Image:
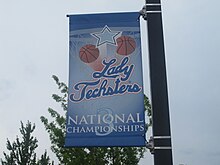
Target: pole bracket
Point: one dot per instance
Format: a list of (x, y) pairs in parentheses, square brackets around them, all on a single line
[(151, 144), (143, 12), (150, 8)]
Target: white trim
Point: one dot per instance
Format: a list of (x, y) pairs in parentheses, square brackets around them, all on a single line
[(153, 11), (162, 137), (162, 148), (153, 4)]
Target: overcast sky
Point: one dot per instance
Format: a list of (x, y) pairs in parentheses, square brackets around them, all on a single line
[(34, 46)]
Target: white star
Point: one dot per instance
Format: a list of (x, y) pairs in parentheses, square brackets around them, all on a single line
[(106, 36)]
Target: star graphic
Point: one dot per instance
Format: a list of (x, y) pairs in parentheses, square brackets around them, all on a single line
[(106, 36)]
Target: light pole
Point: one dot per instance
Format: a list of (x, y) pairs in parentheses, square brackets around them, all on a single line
[(159, 95)]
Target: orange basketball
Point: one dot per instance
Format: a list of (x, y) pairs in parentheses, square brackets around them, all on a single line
[(88, 53), (126, 45)]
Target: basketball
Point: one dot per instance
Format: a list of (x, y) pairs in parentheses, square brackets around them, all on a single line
[(126, 45), (88, 53)]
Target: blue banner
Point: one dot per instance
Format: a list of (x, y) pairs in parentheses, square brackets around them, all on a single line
[(106, 101)]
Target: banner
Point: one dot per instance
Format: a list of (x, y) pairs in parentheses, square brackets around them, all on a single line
[(106, 101)]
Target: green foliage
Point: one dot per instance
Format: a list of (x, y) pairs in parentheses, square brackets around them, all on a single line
[(45, 160), (91, 155), (22, 151), (148, 110)]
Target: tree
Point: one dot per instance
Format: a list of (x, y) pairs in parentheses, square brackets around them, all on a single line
[(22, 152), (90, 155), (45, 160)]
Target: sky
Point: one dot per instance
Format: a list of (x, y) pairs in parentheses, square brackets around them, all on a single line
[(34, 46)]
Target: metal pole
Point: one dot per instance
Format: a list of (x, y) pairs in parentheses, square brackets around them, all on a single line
[(159, 94)]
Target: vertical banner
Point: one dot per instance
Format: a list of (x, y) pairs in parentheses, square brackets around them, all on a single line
[(106, 101)]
